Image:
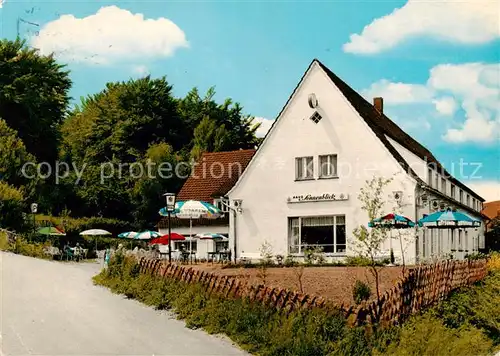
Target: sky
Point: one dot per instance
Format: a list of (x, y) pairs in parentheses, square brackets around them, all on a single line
[(435, 63)]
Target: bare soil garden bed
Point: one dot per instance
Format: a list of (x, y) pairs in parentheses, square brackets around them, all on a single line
[(333, 283)]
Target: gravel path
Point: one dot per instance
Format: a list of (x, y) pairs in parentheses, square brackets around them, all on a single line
[(52, 308)]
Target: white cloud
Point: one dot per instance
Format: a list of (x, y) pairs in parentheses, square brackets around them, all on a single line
[(1, 3), (140, 70), (475, 87), (398, 93), (489, 190), (446, 105), (265, 125), (110, 35), (467, 22)]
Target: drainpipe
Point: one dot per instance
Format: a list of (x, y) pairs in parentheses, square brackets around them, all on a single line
[(417, 195), (234, 233)]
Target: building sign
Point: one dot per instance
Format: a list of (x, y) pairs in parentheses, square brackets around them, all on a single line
[(305, 198)]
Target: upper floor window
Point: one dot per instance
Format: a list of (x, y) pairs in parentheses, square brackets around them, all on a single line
[(304, 168), (316, 117), (460, 196), (452, 192), (328, 166), (436, 180), (429, 177), (443, 185), (468, 200)]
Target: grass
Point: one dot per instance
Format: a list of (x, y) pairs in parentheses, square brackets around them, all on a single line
[(264, 331)]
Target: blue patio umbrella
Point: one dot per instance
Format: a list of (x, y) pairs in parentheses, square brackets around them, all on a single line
[(449, 219)]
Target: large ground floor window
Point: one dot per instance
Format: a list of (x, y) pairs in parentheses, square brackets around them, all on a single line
[(326, 232)]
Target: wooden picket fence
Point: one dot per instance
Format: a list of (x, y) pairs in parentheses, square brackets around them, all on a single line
[(231, 287), (420, 288)]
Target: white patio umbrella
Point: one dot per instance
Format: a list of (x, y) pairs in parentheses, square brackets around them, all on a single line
[(146, 235), (193, 209), (95, 232)]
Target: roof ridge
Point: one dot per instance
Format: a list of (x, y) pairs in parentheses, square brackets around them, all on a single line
[(367, 112)]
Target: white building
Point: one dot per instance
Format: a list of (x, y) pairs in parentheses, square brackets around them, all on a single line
[(302, 184)]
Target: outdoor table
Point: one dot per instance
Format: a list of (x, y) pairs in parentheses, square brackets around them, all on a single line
[(212, 256), (225, 256)]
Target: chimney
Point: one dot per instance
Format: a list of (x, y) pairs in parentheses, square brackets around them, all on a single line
[(378, 103)]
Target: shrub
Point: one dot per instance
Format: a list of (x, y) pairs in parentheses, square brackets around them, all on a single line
[(12, 207), (360, 292), (314, 255), (22, 247), (358, 261), (428, 336), (474, 306)]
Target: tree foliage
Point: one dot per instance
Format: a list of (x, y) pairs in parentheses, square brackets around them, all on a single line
[(33, 97), (128, 125), (13, 156)]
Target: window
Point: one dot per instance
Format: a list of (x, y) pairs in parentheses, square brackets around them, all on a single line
[(452, 193), (304, 168), (325, 232), (436, 180), (474, 204), (460, 196), (316, 117), (468, 200), (443, 185), (328, 166), (222, 205), (459, 240), (429, 177)]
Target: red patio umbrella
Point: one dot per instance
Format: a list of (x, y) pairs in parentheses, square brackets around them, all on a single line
[(163, 240)]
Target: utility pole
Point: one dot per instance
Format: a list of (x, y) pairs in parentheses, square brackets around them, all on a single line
[(19, 20)]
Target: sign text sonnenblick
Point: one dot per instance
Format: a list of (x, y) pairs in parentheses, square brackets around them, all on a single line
[(304, 198)]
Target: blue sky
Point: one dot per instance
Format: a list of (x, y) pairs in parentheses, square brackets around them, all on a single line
[(436, 64)]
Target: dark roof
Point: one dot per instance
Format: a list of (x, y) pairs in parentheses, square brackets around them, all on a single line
[(222, 221), (215, 174), (381, 125)]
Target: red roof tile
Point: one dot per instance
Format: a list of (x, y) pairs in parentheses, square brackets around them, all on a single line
[(215, 174), (491, 209)]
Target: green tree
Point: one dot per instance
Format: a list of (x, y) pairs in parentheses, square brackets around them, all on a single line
[(216, 127), (368, 242), (122, 121), (33, 97), (13, 156), (164, 174)]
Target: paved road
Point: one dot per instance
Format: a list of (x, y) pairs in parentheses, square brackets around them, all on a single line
[(51, 308)]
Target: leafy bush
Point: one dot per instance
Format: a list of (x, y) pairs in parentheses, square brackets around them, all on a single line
[(4, 241), (360, 261), (474, 306), (475, 256), (314, 255), (360, 292), (12, 207), (23, 247), (428, 336)]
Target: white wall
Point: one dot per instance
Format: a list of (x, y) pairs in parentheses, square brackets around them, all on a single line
[(269, 179)]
